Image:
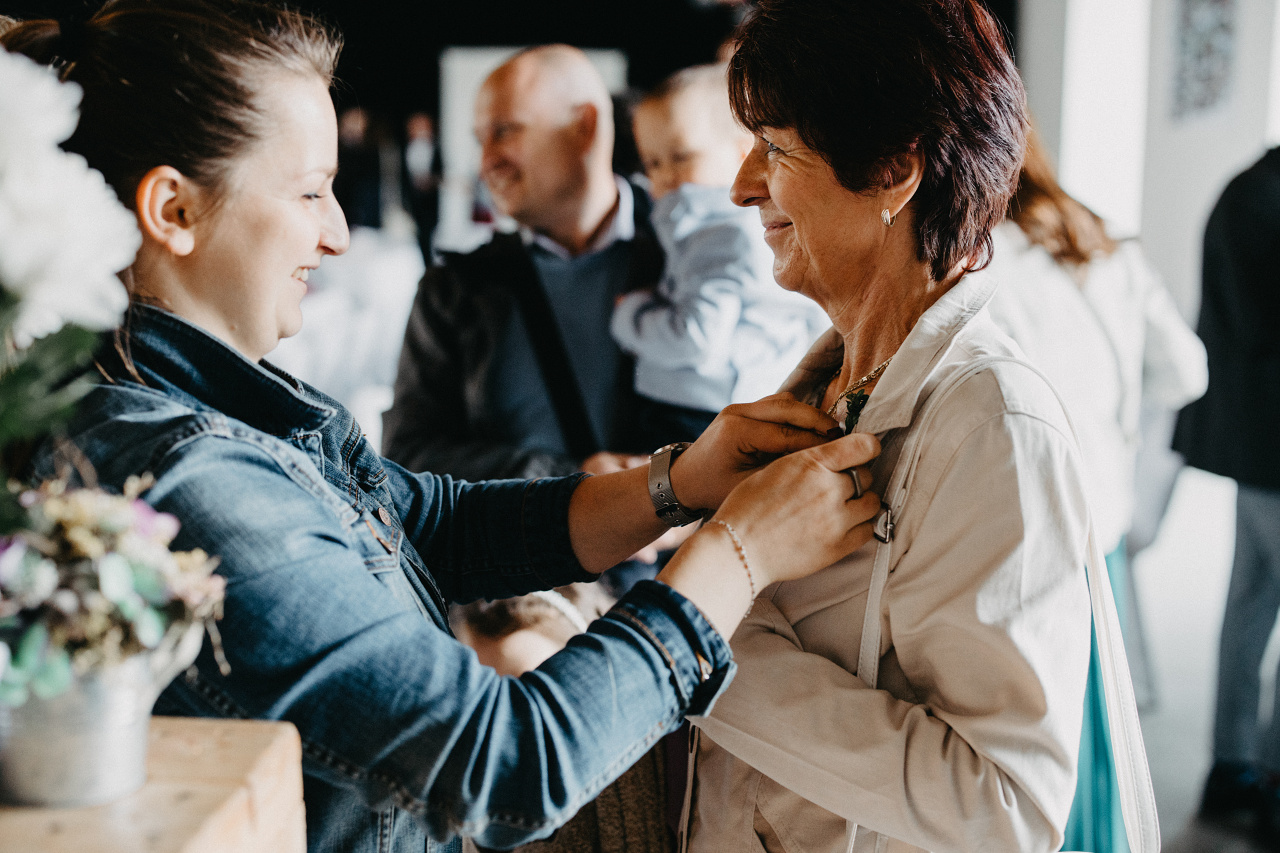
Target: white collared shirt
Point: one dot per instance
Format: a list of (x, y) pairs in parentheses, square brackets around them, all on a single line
[(970, 740), (621, 227)]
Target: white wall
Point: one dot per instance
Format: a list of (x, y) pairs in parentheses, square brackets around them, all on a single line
[(1190, 159), (1085, 64), (1100, 79), (1042, 28), (462, 71)]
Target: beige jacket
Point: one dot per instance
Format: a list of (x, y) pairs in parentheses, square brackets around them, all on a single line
[(970, 741)]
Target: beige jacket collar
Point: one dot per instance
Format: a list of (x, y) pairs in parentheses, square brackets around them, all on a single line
[(904, 381)]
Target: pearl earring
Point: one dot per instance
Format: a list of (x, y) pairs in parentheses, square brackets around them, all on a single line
[(887, 218)]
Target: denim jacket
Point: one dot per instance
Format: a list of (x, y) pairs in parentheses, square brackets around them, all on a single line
[(339, 567)]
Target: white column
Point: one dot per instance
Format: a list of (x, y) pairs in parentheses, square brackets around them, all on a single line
[(1085, 64)]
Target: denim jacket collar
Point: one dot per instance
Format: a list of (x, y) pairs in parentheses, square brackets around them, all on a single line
[(183, 359)]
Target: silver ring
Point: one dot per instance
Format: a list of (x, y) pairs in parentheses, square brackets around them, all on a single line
[(857, 484)]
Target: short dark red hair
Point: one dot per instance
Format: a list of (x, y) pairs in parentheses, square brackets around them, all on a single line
[(864, 81)]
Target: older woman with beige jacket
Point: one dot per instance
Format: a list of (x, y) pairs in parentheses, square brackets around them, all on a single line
[(889, 138)]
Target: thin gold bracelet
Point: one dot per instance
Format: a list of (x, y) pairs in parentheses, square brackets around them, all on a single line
[(742, 555)]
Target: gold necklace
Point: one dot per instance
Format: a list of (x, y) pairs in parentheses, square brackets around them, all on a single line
[(857, 399)]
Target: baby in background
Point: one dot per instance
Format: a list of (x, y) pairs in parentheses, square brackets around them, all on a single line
[(717, 329)]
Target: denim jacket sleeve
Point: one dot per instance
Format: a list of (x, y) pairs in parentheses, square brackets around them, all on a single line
[(387, 703), (493, 539)]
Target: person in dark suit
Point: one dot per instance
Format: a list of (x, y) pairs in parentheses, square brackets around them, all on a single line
[(1234, 430), (508, 368)]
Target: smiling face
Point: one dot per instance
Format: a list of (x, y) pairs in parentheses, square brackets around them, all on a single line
[(683, 140), (826, 239), (532, 147), (247, 273)]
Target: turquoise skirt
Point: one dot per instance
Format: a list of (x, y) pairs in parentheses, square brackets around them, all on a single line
[(1096, 823)]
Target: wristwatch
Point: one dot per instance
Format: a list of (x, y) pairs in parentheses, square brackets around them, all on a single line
[(665, 503)]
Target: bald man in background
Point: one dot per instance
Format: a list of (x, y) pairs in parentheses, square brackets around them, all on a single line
[(508, 368)]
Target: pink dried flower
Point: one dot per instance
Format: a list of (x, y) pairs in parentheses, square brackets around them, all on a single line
[(158, 526)]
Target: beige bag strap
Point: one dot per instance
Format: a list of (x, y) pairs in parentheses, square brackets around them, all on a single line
[(686, 810), (1137, 797)]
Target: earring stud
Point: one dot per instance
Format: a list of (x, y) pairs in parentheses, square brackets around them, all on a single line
[(887, 218)]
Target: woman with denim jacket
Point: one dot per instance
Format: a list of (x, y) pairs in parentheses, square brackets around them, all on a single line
[(212, 120)]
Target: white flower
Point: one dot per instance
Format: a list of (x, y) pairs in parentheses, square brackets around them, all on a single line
[(36, 110), (63, 233), (38, 581), (12, 554)]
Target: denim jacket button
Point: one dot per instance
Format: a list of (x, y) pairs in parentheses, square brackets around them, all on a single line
[(384, 516)]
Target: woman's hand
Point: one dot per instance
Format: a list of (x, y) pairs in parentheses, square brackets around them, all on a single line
[(740, 440), (611, 516), (798, 515), (791, 519)]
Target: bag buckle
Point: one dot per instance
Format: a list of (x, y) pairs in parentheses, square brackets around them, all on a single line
[(884, 526)]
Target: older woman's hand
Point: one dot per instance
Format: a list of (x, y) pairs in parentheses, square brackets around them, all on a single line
[(786, 521), (800, 514), (742, 439)]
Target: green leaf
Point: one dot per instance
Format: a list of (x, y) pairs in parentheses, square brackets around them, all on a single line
[(13, 695), (33, 408), (149, 584), (39, 385), (10, 304), (57, 354), (13, 517), (53, 676), (115, 580), (149, 626), (130, 607), (31, 648)]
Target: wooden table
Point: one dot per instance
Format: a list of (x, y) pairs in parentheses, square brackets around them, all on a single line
[(212, 785)]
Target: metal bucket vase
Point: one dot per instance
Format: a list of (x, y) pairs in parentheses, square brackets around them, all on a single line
[(88, 746)]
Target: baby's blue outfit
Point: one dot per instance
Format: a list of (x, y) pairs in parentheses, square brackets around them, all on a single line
[(718, 329)]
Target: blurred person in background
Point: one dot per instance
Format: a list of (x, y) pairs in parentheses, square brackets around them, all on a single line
[(508, 368), (422, 171), (1093, 315), (717, 329), (514, 636), (358, 184), (1234, 431)]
